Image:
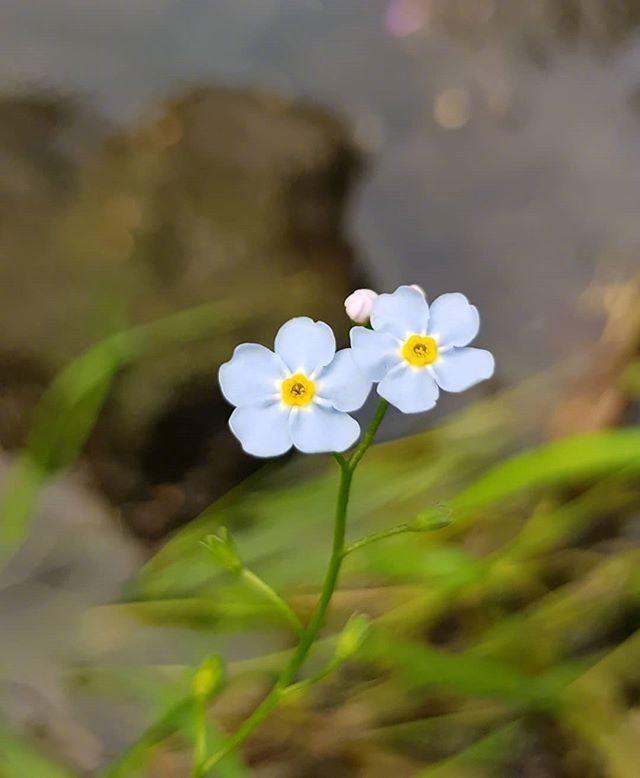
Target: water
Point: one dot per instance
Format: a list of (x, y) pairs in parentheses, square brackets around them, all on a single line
[(503, 154)]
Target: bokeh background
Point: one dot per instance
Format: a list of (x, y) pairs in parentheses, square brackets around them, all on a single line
[(178, 176)]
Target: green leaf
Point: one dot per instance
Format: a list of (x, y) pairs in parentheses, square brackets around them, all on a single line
[(67, 411), (561, 462), (485, 757), (423, 666)]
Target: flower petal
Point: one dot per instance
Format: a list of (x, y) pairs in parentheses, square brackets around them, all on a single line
[(453, 320), (410, 390), (342, 383), (263, 430), (405, 312), (250, 375), (375, 353), (304, 344), (317, 429), (460, 368)]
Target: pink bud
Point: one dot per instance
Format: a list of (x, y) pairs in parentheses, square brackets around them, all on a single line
[(359, 305)]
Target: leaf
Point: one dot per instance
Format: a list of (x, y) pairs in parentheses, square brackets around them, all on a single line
[(176, 718), (423, 666), (488, 753), (561, 462), (67, 411)]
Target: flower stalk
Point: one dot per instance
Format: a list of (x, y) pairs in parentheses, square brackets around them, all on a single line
[(288, 675)]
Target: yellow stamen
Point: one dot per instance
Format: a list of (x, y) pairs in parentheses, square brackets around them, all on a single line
[(420, 350), (298, 390)]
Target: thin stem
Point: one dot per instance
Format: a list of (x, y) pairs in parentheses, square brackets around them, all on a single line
[(399, 529), (369, 435), (288, 675), (200, 747), (263, 588)]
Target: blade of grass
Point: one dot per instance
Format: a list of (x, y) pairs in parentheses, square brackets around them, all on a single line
[(67, 411)]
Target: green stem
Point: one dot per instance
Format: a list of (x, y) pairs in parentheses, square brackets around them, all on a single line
[(263, 588), (369, 435), (200, 747), (288, 675), (399, 529)]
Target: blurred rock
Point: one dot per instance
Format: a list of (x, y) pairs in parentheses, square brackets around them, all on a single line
[(224, 195), (75, 557)]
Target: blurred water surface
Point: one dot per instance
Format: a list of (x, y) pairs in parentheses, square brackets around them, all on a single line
[(503, 137)]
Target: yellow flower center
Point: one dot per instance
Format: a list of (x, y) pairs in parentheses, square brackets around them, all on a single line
[(298, 390), (420, 350)]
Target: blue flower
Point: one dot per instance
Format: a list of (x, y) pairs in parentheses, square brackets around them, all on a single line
[(415, 350), (298, 396)]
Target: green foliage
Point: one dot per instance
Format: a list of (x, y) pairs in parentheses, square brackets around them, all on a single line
[(502, 523), (67, 412), (530, 661)]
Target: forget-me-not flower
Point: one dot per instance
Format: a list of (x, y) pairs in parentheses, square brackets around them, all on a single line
[(414, 349), (298, 396)]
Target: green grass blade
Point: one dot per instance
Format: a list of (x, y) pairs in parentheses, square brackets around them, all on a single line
[(67, 411)]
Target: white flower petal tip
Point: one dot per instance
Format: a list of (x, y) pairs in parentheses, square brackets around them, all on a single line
[(419, 288), (453, 320), (343, 384), (323, 429), (414, 349), (250, 375), (401, 313), (263, 430), (462, 368), (359, 305), (305, 345), (409, 390), (298, 396)]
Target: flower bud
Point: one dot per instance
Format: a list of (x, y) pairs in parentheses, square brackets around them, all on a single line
[(438, 517), (352, 637), (223, 549), (359, 305), (207, 678)]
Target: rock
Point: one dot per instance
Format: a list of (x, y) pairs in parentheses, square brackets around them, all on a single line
[(226, 195), (75, 557)]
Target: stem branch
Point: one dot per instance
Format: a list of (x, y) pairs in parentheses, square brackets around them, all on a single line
[(399, 529), (280, 605)]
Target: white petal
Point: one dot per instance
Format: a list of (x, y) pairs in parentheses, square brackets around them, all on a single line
[(263, 430), (375, 353), (251, 374), (411, 390), (342, 383), (304, 344), (453, 320), (402, 313), (460, 368), (317, 429)]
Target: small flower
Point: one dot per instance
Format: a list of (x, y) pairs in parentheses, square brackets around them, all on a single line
[(413, 349), (359, 305), (298, 396)]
